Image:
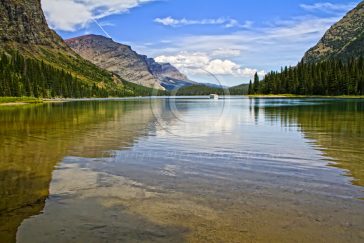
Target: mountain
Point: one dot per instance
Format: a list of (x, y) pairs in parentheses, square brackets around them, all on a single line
[(125, 62), (35, 61), (114, 57), (169, 76), (343, 40), (23, 22), (164, 70)]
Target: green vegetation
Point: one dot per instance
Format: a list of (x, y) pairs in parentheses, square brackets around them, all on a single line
[(27, 100), (78, 67), (205, 90), (21, 76), (199, 90), (328, 78), (132, 89), (242, 89)]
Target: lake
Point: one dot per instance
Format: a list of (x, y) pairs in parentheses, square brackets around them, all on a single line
[(183, 170)]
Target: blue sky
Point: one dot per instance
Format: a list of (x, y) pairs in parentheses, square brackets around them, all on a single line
[(231, 39)]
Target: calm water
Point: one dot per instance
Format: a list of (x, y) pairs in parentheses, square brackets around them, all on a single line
[(186, 170)]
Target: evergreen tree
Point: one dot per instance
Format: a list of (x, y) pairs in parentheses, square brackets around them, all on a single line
[(250, 91), (256, 83)]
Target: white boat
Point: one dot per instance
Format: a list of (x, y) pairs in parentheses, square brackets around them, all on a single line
[(214, 96)]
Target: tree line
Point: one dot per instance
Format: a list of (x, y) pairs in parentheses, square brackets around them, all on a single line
[(20, 76), (195, 90), (331, 77)]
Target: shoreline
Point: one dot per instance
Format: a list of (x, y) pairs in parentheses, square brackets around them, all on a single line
[(14, 104), (20, 101)]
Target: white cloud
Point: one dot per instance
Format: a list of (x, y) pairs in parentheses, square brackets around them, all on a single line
[(202, 63), (226, 22), (68, 15), (328, 7), (225, 52)]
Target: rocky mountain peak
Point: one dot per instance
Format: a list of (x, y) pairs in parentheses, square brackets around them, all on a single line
[(343, 40), (114, 57), (164, 70), (23, 21)]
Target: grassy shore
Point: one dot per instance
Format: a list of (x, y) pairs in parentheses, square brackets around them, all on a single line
[(307, 96), (6, 101)]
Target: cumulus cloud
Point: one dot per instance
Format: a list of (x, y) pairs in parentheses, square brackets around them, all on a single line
[(68, 15), (202, 63), (226, 22), (328, 7)]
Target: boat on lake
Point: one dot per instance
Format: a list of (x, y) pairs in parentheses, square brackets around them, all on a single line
[(214, 96)]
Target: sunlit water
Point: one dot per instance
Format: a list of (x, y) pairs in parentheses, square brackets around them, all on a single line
[(195, 170)]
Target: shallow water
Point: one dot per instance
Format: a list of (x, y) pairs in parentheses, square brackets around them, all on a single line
[(195, 170)]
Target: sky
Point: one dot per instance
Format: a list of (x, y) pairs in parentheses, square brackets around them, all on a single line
[(216, 41)]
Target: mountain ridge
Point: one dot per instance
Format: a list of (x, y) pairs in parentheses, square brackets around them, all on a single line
[(344, 40), (114, 57)]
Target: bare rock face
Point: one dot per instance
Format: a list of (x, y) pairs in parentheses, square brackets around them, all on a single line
[(23, 21), (114, 57), (170, 77), (125, 62), (343, 40), (164, 70)]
